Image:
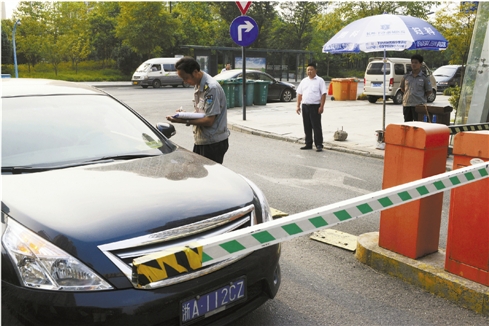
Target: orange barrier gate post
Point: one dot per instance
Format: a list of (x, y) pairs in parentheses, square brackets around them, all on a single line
[(413, 150), (467, 253)]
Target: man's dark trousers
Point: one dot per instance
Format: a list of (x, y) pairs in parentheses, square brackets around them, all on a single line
[(312, 121)]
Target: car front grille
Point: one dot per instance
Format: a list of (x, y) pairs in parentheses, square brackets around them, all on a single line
[(122, 253)]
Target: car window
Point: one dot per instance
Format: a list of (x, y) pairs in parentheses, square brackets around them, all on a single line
[(377, 68), (266, 78), (54, 130), (399, 69), (156, 67), (169, 67)]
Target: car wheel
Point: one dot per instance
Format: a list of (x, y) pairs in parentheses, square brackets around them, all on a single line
[(372, 99), (432, 96), (174, 86), (144, 86), (156, 83), (397, 99), (185, 85), (286, 95)]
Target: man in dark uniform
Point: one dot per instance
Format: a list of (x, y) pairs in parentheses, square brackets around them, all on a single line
[(210, 132), (416, 87)]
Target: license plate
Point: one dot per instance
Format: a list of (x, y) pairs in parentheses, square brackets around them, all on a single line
[(376, 84), (206, 305), (135, 82)]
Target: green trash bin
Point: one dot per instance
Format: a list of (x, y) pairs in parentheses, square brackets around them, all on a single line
[(238, 92), (228, 87), (261, 92), (250, 92)]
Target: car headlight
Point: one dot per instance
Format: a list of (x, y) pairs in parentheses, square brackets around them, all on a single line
[(42, 265), (266, 213)]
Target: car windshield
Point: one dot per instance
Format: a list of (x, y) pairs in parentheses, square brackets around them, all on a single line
[(445, 71), (45, 131), (143, 67)]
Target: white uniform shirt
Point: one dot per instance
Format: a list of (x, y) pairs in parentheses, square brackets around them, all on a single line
[(312, 90)]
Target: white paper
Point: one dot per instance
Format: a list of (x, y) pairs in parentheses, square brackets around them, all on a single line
[(189, 115)]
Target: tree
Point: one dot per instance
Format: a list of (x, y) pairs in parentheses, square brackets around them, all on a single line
[(30, 33), (74, 38), (7, 52), (297, 16), (199, 22), (456, 23), (146, 27), (102, 22)]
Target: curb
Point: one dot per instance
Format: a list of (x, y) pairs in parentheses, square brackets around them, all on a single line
[(326, 145), (427, 273)]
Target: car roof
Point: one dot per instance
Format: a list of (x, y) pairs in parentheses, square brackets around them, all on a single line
[(12, 87)]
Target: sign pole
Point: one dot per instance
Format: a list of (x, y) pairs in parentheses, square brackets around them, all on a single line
[(244, 32), (243, 55)]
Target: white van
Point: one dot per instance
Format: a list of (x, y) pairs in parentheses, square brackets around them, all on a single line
[(396, 68), (158, 72)]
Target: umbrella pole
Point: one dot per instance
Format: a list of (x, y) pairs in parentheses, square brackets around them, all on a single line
[(383, 109)]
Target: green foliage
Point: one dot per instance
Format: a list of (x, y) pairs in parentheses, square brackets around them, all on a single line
[(7, 51), (127, 59), (127, 32), (455, 96), (146, 27), (457, 25), (87, 71)]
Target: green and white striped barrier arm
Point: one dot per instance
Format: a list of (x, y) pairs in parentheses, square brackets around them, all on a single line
[(222, 247)]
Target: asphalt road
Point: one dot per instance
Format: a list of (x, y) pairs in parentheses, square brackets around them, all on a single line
[(321, 284)]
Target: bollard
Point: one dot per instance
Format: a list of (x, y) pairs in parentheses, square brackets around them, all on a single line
[(467, 252), (413, 150)]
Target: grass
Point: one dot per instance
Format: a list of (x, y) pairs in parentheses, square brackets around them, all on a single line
[(87, 71)]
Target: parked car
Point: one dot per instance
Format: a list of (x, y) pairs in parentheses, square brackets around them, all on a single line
[(277, 90), (448, 76), (88, 185), (395, 69)]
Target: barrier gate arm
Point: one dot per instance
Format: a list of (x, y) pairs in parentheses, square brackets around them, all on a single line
[(161, 265)]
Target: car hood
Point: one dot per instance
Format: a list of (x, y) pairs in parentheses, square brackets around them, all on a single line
[(287, 84), (92, 205)]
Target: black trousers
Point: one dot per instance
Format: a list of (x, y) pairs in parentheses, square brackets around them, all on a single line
[(409, 113), (214, 151), (312, 122)]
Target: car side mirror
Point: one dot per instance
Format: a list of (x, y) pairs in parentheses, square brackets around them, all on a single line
[(166, 129)]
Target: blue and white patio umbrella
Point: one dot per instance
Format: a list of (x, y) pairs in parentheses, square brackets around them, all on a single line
[(386, 33)]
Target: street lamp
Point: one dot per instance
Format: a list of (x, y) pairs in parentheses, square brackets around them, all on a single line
[(15, 54)]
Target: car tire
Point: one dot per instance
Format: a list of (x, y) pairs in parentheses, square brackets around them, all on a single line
[(185, 85), (286, 95), (397, 99), (432, 96), (144, 86), (174, 86), (156, 83), (372, 99)]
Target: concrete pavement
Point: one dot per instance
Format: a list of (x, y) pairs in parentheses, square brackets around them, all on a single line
[(361, 119)]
